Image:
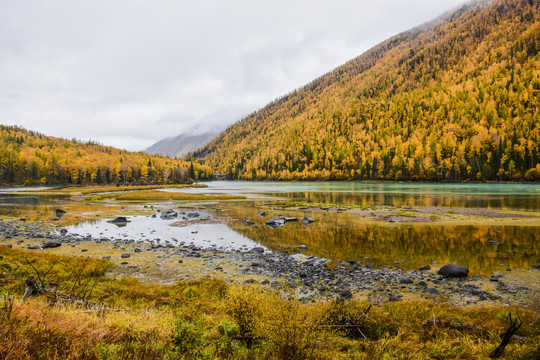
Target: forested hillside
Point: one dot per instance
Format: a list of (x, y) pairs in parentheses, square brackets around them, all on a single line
[(457, 99), (27, 157)]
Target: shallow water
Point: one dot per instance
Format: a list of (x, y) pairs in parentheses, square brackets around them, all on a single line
[(334, 236)]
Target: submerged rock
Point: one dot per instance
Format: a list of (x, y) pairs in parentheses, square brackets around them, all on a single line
[(249, 222), (453, 270), (307, 221)]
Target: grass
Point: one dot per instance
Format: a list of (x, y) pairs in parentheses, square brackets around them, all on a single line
[(85, 190), (322, 206), (159, 195), (209, 319)]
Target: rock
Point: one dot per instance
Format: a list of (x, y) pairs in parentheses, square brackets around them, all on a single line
[(251, 281), (351, 261), (8, 245), (262, 214), (453, 270), (63, 231), (422, 284), (60, 212), (257, 249), (345, 295), (193, 215), (431, 291), (51, 244), (424, 268), (119, 220), (370, 266), (394, 220), (394, 297), (180, 262), (275, 223), (307, 221), (249, 222), (107, 257), (494, 278), (536, 266), (125, 256), (169, 214), (33, 247), (290, 219), (302, 247), (492, 242), (406, 280), (137, 250)]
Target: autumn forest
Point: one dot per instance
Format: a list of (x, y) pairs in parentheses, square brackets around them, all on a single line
[(457, 99), (30, 158)]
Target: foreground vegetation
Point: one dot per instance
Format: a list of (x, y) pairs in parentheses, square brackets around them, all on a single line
[(454, 100), (85, 313)]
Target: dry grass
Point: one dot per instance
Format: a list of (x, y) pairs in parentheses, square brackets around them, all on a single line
[(208, 319)]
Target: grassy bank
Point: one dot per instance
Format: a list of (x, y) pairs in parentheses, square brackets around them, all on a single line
[(150, 195), (85, 313), (85, 190)]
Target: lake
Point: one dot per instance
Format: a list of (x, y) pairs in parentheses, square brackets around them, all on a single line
[(337, 236)]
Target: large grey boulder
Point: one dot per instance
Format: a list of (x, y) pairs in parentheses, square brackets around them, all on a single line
[(453, 270)]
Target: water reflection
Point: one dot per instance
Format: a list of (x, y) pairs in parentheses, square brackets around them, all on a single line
[(343, 237)]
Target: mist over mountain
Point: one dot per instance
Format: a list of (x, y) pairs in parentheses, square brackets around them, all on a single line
[(182, 144), (457, 99)]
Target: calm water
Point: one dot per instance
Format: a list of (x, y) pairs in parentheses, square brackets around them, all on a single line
[(335, 236)]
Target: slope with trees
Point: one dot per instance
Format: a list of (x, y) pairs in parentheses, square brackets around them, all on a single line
[(27, 157), (457, 99)]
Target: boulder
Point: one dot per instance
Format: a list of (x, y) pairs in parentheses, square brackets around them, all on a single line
[(60, 212), (119, 220), (257, 249), (167, 215), (424, 268), (51, 244), (275, 223), (536, 266), (262, 214), (453, 270), (307, 220), (302, 247), (33, 247), (125, 256)]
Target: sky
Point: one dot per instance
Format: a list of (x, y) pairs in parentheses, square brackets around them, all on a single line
[(128, 73)]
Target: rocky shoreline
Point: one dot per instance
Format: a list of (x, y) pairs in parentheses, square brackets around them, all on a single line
[(307, 278)]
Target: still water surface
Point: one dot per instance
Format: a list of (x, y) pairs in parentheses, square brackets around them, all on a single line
[(338, 236)]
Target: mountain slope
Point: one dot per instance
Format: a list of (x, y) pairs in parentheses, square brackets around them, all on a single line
[(456, 99), (181, 145), (27, 157)]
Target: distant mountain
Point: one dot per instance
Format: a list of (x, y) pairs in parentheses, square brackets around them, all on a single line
[(457, 99), (181, 145), (28, 157)]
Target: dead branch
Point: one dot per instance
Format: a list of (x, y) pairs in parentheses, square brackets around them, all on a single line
[(515, 324)]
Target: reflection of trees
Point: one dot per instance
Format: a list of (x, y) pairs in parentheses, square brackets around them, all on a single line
[(339, 237), (443, 200)]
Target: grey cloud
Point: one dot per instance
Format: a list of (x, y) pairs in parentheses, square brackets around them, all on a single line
[(128, 73)]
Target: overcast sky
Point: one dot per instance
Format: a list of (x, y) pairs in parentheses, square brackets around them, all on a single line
[(128, 73)]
